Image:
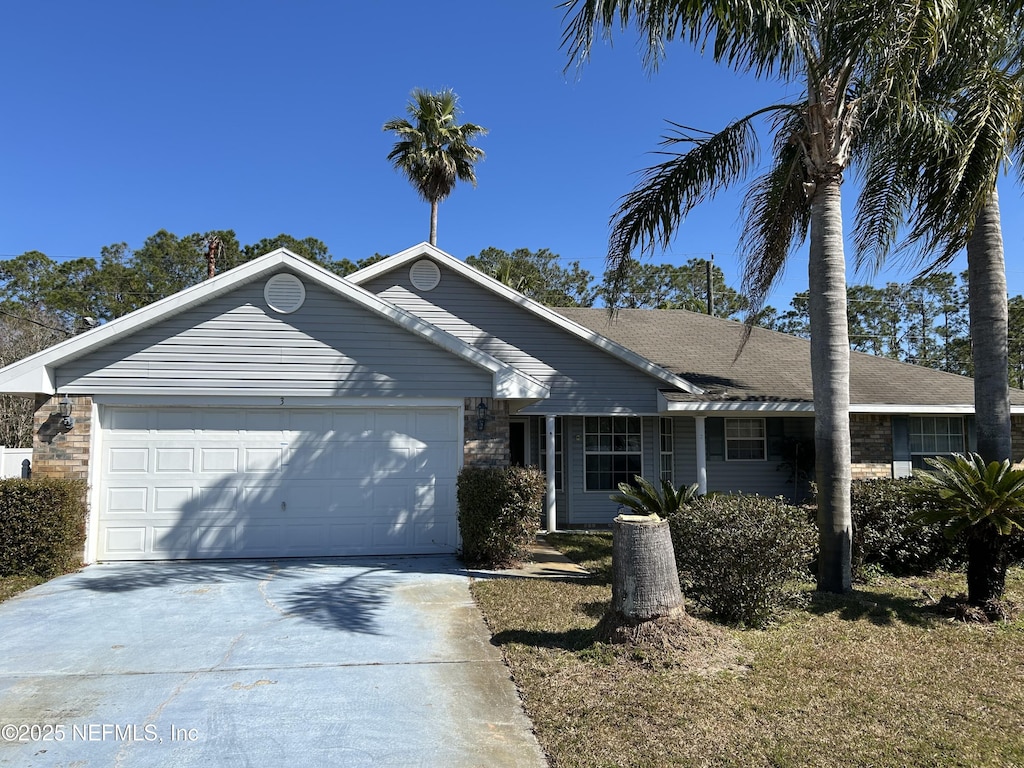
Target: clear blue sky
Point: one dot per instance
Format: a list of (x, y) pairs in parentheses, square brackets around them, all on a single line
[(123, 118)]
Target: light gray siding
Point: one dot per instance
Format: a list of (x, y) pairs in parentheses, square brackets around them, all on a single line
[(770, 477), (579, 507), (583, 378), (236, 345)]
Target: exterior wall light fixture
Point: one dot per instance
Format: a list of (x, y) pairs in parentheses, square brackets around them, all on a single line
[(67, 421), (481, 416)]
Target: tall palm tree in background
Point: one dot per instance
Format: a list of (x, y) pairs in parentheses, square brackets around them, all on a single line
[(433, 150), (857, 60), (963, 131)]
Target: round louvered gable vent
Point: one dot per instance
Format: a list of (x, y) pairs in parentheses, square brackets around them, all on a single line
[(284, 293), (424, 275)]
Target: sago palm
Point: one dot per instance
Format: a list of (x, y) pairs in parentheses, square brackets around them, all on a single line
[(645, 498), (844, 53), (983, 502), (433, 150)]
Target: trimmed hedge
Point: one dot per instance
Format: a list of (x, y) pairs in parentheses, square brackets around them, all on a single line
[(742, 557), (499, 513), (888, 537), (42, 526)]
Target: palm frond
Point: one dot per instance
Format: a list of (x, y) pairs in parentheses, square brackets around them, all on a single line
[(776, 214), (646, 499), (965, 492), (668, 191), (764, 36)]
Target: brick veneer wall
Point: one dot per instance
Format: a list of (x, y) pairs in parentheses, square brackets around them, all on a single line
[(57, 452), (489, 448), (1017, 437), (871, 446)]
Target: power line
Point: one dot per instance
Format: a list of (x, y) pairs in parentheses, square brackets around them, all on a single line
[(36, 322)]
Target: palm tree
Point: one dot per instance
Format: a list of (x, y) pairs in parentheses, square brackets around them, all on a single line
[(432, 150), (967, 127), (846, 53)]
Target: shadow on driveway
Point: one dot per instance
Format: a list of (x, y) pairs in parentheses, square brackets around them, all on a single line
[(304, 588)]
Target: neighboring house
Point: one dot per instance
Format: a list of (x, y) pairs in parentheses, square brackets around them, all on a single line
[(278, 410)]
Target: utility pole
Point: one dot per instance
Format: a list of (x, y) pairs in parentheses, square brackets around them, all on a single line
[(709, 270), (214, 245)]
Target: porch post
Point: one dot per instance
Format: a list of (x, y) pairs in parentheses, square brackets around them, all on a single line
[(549, 499), (702, 456)]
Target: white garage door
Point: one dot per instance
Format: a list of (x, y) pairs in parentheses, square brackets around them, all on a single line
[(206, 483)]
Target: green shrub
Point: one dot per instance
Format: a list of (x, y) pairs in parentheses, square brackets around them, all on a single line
[(499, 513), (741, 556), (42, 526), (887, 535)]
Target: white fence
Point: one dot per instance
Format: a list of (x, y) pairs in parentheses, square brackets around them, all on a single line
[(11, 460)]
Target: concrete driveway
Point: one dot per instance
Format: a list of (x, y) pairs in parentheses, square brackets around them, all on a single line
[(340, 662)]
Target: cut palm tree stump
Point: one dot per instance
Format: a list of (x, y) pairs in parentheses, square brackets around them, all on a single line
[(645, 582)]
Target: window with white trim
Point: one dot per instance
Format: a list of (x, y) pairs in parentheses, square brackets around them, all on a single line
[(934, 436), (543, 450), (667, 457), (612, 451), (745, 440)]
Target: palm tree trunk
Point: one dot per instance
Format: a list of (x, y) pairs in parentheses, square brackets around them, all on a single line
[(830, 367), (986, 565), (986, 285), (433, 222), (645, 582)]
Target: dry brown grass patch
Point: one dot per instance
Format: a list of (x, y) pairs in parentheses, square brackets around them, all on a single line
[(882, 677), (676, 640)]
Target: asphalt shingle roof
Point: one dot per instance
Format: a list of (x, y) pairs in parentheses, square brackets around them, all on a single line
[(772, 366)]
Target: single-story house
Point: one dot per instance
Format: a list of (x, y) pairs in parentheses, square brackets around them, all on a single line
[(278, 410)]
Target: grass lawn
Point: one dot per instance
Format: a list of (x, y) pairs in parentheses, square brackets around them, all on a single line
[(12, 585), (880, 677)]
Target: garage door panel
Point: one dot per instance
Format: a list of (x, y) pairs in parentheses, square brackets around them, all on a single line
[(172, 460), (265, 420), (262, 501), (129, 420), (221, 422), (177, 421), (260, 539), (352, 464), (219, 460), (391, 461), (126, 540), (348, 538), (127, 501), (395, 536), (310, 421), (391, 498), (215, 540), (199, 482), (438, 425), (171, 499), (172, 540), (217, 499), (128, 460), (430, 532), (263, 460), (352, 500)]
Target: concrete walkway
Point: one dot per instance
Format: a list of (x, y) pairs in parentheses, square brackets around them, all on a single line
[(345, 662), (544, 562)]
